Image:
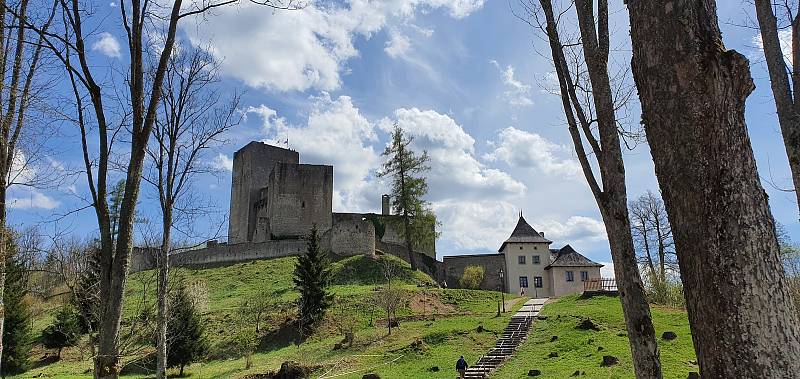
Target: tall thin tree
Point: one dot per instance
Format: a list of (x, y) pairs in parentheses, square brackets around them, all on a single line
[(191, 120), (784, 91), (409, 185), (693, 91), (610, 193), (137, 111), (20, 87)]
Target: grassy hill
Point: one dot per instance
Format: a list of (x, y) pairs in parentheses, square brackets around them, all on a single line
[(436, 326), (583, 350)]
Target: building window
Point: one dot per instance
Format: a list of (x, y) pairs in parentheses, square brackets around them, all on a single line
[(584, 276), (536, 248), (520, 247), (537, 281), (570, 276), (521, 259), (523, 282), (536, 259)]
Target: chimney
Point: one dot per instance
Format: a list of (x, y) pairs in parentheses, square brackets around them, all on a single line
[(385, 210)]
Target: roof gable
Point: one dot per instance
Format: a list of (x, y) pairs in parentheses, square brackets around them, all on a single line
[(568, 257)]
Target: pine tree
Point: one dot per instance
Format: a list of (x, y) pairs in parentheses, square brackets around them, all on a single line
[(64, 332), (311, 276), (186, 341), (17, 331), (87, 290), (405, 167)]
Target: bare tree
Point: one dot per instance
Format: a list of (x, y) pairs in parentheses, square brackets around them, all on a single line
[(597, 108), (652, 236), (389, 296), (693, 91), (191, 120), (98, 104), (20, 89), (787, 102)]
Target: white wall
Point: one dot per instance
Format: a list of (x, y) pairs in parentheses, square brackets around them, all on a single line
[(530, 270)]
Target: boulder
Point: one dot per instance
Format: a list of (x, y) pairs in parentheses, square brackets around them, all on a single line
[(371, 376), (434, 369), (553, 354), (576, 373), (669, 336), (553, 338), (534, 373), (292, 370), (587, 324), (693, 375), (609, 360)]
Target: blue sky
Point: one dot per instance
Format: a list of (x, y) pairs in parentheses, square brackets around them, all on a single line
[(462, 76)]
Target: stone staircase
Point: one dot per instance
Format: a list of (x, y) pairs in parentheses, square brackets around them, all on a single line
[(514, 334)]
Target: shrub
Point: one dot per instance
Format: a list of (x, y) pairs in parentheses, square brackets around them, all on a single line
[(64, 332), (472, 277)]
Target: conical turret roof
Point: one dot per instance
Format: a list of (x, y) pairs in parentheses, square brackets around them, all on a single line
[(524, 233)]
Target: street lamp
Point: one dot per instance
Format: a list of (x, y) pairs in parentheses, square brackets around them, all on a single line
[(503, 292)]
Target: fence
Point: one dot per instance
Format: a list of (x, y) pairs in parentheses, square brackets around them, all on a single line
[(600, 285)]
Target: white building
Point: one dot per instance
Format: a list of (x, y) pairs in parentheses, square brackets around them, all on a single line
[(533, 267)]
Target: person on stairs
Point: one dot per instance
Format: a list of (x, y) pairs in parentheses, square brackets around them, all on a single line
[(461, 367)]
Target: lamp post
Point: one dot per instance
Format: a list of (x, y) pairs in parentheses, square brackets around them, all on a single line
[(503, 292)]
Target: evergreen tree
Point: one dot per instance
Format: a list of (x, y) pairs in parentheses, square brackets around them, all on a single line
[(405, 168), (64, 332), (17, 331), (186, 342), (87, 290), (311, 276)]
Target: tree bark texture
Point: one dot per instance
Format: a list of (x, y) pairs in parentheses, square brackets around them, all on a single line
[(612, 196), (693, 92), (163, 278)]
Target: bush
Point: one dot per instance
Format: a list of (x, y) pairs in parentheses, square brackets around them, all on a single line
[(472, 277), (668, 293), (64, 332)]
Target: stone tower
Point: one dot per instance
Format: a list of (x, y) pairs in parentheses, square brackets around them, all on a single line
[(252, 166)]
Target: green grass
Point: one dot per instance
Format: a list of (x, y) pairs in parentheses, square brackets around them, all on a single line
[(444, 320), (578, 350), (436, 326)]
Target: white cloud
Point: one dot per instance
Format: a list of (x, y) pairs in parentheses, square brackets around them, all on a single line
[(32, 199), (335, 134), (397, 45), (308, 48), (107, 45), (519, 148), (607, 271), (479, 226), (454, 167), (517, 93), (785, 39), (575, 229), (269, 117), (222, 162)]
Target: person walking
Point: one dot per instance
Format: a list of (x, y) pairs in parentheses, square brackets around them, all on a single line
[(461, 367)]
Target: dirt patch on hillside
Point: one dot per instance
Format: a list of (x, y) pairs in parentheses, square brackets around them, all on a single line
[(428, 303)]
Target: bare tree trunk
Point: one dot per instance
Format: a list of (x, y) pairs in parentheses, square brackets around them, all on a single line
[(786, 101), (693, 93), (163, 278), (612, 196)]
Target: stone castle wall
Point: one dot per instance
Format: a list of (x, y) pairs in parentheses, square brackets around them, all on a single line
[(491, 263)]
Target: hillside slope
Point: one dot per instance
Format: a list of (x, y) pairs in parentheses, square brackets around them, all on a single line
[(436, 325), (583, 350)]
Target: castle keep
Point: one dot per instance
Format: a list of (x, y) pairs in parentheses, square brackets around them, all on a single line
[(275, 201)]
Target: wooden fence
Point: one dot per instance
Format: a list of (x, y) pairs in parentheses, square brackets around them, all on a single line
[(600, 285)]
